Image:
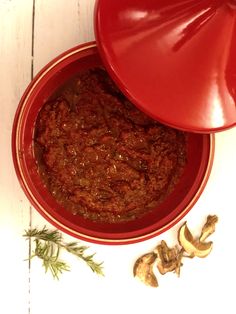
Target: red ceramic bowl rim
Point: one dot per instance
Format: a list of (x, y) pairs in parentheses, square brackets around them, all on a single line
[(48, 216)]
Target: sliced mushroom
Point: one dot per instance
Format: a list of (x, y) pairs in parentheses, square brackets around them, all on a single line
[(190, 245), (209, 227), (143, 269), (179, 262), (169, 259)]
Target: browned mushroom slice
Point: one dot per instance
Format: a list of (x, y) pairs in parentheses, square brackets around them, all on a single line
[(169, 258), (209, 227), (179, 262), (143, 269), (190, 245)]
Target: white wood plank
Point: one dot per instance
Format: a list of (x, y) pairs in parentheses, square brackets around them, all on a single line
[(15, 65), (85, 20), (60, 25)]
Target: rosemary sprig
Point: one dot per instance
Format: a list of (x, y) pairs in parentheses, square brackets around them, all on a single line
[(48, 245)]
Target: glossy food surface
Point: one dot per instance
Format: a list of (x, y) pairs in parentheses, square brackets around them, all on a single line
[(174, 59), (100, 156)]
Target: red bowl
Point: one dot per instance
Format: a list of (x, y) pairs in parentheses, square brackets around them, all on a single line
[(200, 151)]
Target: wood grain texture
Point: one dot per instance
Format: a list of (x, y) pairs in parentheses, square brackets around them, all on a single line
[(15, 66), (85, 20), (59, 26)]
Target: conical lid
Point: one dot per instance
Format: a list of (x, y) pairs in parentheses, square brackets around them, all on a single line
[(174, 59)]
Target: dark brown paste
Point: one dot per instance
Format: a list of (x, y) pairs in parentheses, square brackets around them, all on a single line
[(100, 157)]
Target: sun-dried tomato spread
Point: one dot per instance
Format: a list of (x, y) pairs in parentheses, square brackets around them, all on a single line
[(102, 158)]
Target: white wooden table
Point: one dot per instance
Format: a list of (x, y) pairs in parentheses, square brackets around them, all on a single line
[(32, 32)]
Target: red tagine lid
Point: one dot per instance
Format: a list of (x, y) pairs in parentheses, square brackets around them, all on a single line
[(174, 59)]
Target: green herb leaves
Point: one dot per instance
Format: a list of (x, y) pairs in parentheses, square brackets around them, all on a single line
[(47, 247)]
